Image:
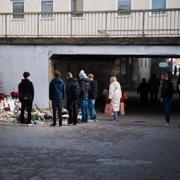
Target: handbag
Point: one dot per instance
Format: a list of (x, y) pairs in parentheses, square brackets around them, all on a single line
[(125, 96), (108, 111), (122, 109)]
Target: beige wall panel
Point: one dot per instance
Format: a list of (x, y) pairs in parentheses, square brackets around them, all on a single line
[(140, 4), (32, 6), (62, 5), (91, 5), (173, 3), (5, 6)]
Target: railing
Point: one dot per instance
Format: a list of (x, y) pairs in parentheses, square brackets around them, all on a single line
[(134, 23)]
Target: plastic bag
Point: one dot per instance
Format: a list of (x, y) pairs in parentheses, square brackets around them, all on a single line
[(108, 110)]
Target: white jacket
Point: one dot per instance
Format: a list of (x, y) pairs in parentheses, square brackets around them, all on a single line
[(115, 95)]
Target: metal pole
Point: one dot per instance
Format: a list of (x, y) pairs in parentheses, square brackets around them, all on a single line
[(143, 24), (106, 23), (38, 25), (6, 25), (71, 14)]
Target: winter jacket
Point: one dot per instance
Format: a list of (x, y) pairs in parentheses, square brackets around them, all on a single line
[(57, 89), (72, 89), (115, 95), (93, 93), (84, 88), (154, 84), (166, 89), (26, 88), (143, 89)]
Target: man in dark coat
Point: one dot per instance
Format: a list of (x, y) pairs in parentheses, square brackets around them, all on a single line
[(56, 95), (178, 85), (166, 96), (72, 92), (84, 94), (26, 96), (143, 90), (93, 93), (154, 84)]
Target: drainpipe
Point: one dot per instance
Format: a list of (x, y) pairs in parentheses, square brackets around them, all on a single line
[(143, 24)]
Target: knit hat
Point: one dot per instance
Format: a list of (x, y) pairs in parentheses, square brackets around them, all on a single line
[(82, 74)]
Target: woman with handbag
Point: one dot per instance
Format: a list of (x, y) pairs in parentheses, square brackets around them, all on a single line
[(115, 95)]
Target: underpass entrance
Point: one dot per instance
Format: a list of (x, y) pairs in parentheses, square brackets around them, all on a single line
[(129, 70)]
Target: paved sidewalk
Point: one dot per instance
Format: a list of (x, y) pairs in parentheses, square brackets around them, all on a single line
[(138, 147)]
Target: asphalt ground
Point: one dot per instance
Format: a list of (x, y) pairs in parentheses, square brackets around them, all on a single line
[(138, 147)]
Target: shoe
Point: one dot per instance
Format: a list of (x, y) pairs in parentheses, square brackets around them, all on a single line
[(30, 124), (53, 124), (90, 120), (60, 123), (167, 124), (70, 124)]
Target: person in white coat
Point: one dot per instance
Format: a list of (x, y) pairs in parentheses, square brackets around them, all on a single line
[(115, 95)]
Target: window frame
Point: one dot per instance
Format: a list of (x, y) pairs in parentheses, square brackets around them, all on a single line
[(124, 14), (16, 16), (160, 13), (76, 14), (46, 16)]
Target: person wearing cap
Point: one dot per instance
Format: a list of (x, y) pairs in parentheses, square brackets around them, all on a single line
[(26, 96), (84, 94), (56, 95)]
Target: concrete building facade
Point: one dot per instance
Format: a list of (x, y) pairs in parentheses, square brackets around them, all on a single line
[(102, 37)]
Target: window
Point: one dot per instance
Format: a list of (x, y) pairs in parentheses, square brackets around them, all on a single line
[(46, 6), (124, 5), (77, 7), (18, 7), (158, 4)]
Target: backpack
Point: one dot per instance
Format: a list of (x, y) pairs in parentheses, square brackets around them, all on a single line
[(75, 89)]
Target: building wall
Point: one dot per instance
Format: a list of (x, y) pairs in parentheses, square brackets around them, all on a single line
[(15, 59), (89, 5), (90, 24)]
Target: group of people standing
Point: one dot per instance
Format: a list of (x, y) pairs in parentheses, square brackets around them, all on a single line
[(80, 93), (146, 88)]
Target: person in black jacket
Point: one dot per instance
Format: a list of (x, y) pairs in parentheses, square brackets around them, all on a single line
[(143, 90), (166, 96), (93, 93), (72, 92), (26, 96), (178, 85), (84, 94), (56, 95), (154, 84)]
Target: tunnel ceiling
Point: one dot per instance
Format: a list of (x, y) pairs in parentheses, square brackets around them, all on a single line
[(105, 57)]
